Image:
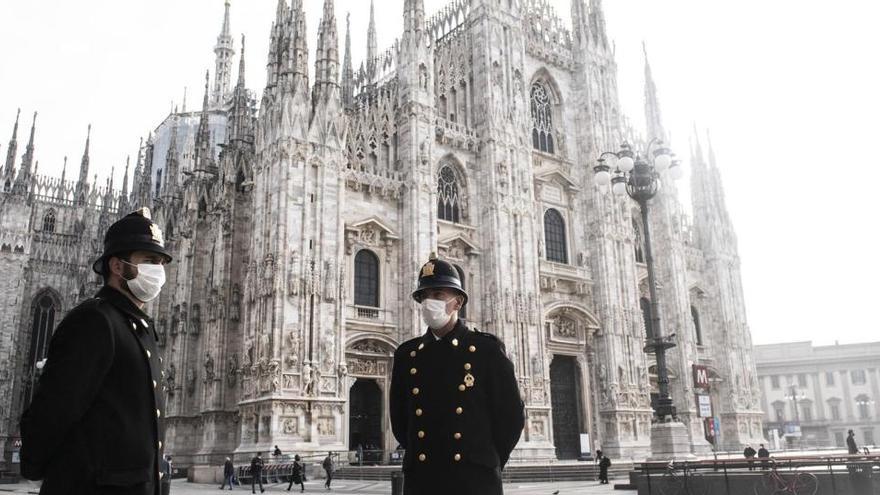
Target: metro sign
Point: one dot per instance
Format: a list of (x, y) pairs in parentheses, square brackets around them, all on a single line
[(701, 376)]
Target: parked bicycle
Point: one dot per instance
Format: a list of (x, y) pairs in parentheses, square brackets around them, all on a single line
[(682, 481), (774, 483)]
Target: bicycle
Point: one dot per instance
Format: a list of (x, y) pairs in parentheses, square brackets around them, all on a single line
[(684, 481), (773, 483)]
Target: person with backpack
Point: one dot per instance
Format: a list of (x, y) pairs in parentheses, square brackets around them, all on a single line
[(328, 468), (257, 472), (604, 464), (297, 474)]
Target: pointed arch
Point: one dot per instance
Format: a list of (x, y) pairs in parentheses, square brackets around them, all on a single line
[(45, 312), (544, 105), (49, 221), (452, 197)]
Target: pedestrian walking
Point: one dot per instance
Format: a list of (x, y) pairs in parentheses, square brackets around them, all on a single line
[(749, 454), (257, 472), (166, 470), (851, 442), (228, 474), (604, 464), (99, 399), (297, 474), (328, 468), (764, 456), (454, 401)]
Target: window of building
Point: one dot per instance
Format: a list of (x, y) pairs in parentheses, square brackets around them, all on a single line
[(835, 411), (806, 411), (49, 221), (448, 198), (554, 236), (366, 279), (829, 378), (839, 439), (695, 319), (45, 308), (645, 305), (779, 409), (158, 190), (868, 436), (802, 380), (774, 381), (858, 377), (637, 234), (864, 403), (542, 119)]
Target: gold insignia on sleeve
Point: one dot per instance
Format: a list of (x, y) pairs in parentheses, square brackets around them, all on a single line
[(469, 380), (428, 270), (157, 234)]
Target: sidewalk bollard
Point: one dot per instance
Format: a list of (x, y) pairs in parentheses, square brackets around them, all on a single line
[(397, 483)]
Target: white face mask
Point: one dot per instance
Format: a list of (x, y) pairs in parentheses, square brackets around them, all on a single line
[(434, 313), (148, 282)]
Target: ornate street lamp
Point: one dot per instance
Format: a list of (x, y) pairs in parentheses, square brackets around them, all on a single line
[(628, 173)]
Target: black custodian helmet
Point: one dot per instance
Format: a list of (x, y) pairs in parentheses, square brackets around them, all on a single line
[(438, 274), (133, 232)]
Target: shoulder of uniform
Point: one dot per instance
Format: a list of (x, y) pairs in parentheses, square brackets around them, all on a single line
[(487, 338), (409, 344)]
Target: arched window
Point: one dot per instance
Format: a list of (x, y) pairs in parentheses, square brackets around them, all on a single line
[(49, 221), (366, 279), (863, 402), (645, 304), (44, 309), (448, 198), (542, 119), (554, 236), (639, 243), (463, 311), (698, 332)]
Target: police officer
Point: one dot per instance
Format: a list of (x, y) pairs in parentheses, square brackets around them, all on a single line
[(95, 422), (455, 405)]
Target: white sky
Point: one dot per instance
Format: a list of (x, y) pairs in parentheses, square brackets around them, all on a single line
[(789, 88)]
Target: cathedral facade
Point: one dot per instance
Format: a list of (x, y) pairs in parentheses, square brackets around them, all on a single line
[(299, 223)]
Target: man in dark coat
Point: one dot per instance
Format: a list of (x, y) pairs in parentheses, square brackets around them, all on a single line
[(228, 474), (851, 442), (95, 423), (749, 454), (257, 472), (604, 464), (328, 468), (454, 401), (763, 455)]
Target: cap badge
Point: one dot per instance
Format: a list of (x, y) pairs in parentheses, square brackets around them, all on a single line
[(145, 212), (428, 270), (157, 234)]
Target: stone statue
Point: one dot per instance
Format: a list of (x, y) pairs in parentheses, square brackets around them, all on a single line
[(209, 368)]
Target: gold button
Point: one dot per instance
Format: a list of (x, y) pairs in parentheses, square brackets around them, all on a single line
[(422, 457), (418, 412), (148, 354), (467, 366), (154, 383), (415, 390), (412, 354), (458, 410), (133, 326), (457, 436), (455, 342), (158, 413), (461, 387), (421, 346), (472, 349), (421, 434), (413, 371), (160, 444), (457, 457)]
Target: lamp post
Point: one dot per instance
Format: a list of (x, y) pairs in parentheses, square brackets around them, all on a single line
[(630, 174), (795, 397)]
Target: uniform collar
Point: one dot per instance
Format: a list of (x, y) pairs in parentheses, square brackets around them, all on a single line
[(457, 332), (122, 303)]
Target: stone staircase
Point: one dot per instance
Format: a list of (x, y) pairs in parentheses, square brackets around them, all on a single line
[(513, 473)]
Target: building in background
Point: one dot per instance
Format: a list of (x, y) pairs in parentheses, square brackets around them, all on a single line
[(298, 227), (814, 394)]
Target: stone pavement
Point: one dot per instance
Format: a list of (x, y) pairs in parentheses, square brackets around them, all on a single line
[(182, 487)]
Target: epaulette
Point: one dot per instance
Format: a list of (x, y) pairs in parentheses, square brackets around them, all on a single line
[(489, 336)]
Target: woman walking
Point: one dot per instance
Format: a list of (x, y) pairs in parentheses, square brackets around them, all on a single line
[(296, 474)]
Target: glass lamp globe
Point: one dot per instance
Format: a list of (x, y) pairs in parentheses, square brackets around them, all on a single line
[(625, 164), (619, 188), (662, 162), (603, 178), (676, 172)]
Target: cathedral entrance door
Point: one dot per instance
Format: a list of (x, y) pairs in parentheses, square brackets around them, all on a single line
[(365, 420), (564, 398)]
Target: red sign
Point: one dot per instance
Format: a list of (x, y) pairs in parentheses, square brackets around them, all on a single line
[(701, 376), (709, 426)]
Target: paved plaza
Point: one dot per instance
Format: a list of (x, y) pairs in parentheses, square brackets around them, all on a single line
[(182, 487)]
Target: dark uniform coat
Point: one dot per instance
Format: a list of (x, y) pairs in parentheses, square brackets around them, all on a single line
[(456, 409), (95, 422)]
